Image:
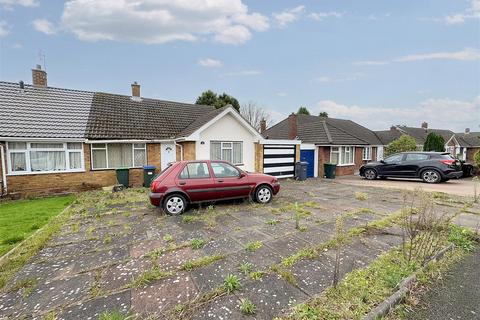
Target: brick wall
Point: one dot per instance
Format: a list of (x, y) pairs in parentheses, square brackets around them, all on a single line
[(3, 162), (43, 184), (470, 154), (324, 157)]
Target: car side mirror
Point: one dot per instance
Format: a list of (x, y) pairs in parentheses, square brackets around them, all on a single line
[(382, 161), (242, 175)]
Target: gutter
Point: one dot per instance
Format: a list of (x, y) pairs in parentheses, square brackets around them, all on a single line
[(4, 173)]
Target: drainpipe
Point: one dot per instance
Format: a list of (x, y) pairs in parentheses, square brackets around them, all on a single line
[(181, 149), (4, 174)]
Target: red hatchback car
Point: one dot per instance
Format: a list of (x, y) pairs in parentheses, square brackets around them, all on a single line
[(185, 182)]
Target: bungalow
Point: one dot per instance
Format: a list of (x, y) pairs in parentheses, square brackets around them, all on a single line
[(329, 140), (462, 145), (56, 140), (465, 145)]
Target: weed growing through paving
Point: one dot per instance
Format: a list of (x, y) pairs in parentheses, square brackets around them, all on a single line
[(155, 273), (247, 307), (272, 222), (362, 196), (284, 274), (114, 315), (27, 285), (168, 238), (107, 239), (253, 246), (155, 253), (201, 262), (52, 315), (197, 243), (246, 268), (231, 283), (256, 275)]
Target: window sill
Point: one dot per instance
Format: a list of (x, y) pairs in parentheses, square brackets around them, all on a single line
[(366, 159), (345, 165), (42, 172), (103, 169)]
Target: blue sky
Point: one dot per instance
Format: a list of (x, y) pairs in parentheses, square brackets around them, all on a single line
[(376, 62)]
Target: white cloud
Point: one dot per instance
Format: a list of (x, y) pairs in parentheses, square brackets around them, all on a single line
[(288, 16), (467, 54), (44, 26), (472, 12), (161, 21), (320, 16), (281, 94), (348, 77), (437, 112), (210, 63), (371, 63), (242, 73), (9, 4), (4, 29), (17, 45), (375, 17)]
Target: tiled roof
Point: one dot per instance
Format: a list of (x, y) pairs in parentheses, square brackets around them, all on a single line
[(119, 117), (419, 134), (471, 139), (325, 131), (43, 112), (195, 125)]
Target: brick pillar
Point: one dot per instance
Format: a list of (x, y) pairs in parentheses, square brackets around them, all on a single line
[(39, 76)]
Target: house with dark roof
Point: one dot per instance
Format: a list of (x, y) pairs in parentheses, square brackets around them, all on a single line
[(60, 140), (328, 140), (462, 145)]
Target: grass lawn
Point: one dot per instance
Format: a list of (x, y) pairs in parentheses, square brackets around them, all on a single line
[(20, 218)]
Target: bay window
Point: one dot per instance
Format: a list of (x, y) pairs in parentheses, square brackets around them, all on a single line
[(118, 155), (44, 157), (230, 151), (342, 155), (367, 153)]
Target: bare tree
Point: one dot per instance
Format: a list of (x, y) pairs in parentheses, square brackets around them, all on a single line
[(254, 114)]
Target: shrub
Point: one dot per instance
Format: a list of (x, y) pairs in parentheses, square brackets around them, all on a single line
[(434, 142), (476, 158), (402, 144)]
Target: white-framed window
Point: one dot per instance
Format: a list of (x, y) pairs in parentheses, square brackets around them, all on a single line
[(118, 155), (367, 153), (25, 157), (342, 156), (231, 151)]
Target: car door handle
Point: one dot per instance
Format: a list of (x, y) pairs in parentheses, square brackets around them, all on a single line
[(182, 183), (219, 180)]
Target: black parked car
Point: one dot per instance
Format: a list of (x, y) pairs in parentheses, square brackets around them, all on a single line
[(431, 167)]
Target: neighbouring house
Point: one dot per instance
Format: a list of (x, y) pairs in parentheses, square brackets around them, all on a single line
[(419, 134), (462, 145), (329, 140), (56, 140), (466, 144)]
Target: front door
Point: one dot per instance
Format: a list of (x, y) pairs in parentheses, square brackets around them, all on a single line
[(308, 156), (168, 154)]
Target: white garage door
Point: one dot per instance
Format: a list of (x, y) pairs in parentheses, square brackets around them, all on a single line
[(279, 160)]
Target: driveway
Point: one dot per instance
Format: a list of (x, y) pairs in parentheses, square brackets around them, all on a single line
[(119, 254), (460, 187)]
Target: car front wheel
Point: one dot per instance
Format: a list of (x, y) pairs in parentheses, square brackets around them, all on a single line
[(370, 174), (175, 204), (263, 194), (431, 176)]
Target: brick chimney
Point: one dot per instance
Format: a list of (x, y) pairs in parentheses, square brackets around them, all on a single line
[(393, 128), (292, 126), (39, 76), (135, 90), (467, 130), (424, 125), (263, 126)]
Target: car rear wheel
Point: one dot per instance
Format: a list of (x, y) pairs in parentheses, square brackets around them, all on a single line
[(263, 194), (175, 204), (431, 176), (370, 174)]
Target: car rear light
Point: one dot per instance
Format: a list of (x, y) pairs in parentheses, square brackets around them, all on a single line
[(448, 162), (154, 185)]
